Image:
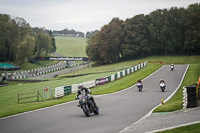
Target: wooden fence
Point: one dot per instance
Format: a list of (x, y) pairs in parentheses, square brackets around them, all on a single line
[(28, 95)]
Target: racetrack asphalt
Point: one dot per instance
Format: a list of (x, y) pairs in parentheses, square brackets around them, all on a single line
[(117, 110)]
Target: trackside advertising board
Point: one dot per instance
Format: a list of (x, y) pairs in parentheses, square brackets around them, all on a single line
[(63, 58)]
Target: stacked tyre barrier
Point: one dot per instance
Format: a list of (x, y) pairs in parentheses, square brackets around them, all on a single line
[(190, 96), (66, 90)]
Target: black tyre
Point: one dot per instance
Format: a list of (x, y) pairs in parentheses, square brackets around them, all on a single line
[(86, 110), (96, 111), (140, 89), (192, 99), (191, 89), (191, 104), (191, 94)]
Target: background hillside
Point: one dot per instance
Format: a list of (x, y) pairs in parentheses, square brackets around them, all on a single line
[(71, 46)]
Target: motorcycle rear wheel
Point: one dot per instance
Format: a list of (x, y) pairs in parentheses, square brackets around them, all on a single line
[(96, 111)]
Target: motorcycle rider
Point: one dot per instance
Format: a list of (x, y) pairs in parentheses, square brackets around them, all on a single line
[(139, 82), (162, 81), (172, 66), (162, 85), (85, 92)]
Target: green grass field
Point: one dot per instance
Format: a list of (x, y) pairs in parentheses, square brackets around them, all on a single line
[(71, 46), (28, 66)]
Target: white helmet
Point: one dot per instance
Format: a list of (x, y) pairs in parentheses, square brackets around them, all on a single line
[(80, 86)]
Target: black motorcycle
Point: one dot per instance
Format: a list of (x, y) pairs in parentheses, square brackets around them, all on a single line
[(88, 106)]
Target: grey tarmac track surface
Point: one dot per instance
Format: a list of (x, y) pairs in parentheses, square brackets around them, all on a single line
[(117, 111)]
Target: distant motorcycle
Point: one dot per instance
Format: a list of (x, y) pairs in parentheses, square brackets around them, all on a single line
[(172, 68), (88, 106), (162, 86), (140, 86)]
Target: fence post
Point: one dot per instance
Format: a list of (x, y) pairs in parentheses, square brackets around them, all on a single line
[(18, 99), (38, 93)]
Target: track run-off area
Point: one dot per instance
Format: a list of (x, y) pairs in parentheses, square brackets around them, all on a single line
[(117, 110)]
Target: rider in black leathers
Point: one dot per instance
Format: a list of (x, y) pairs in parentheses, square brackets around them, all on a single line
[(85, 91)]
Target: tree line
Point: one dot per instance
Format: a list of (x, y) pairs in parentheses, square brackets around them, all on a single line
[(67, 32), (19, 42), (174, 31)]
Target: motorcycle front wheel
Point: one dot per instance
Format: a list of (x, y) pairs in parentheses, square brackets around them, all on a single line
[(86, 110)]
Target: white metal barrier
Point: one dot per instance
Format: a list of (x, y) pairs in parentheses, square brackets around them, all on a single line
[(59, 91)]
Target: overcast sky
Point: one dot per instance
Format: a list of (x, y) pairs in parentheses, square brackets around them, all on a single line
[(82, 15)]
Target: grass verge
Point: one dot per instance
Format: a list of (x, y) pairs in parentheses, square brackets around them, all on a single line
[(39, 64), (194, 128)]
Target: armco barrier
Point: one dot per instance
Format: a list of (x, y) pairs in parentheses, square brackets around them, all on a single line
[(74, 88), (112, 77), (14, 74), (59, 91), (101, 81), (65, 90), (89, 84), (109, 78)]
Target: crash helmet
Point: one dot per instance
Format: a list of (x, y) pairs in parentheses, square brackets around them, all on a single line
[(80, 86)]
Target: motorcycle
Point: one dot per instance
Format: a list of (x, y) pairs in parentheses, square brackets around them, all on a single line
[(162, 86), (140, 86), (88, 106), (172, 68)]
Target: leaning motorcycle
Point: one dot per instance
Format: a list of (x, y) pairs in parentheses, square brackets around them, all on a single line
[(140, 86), (87, 105), (162, 86)]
